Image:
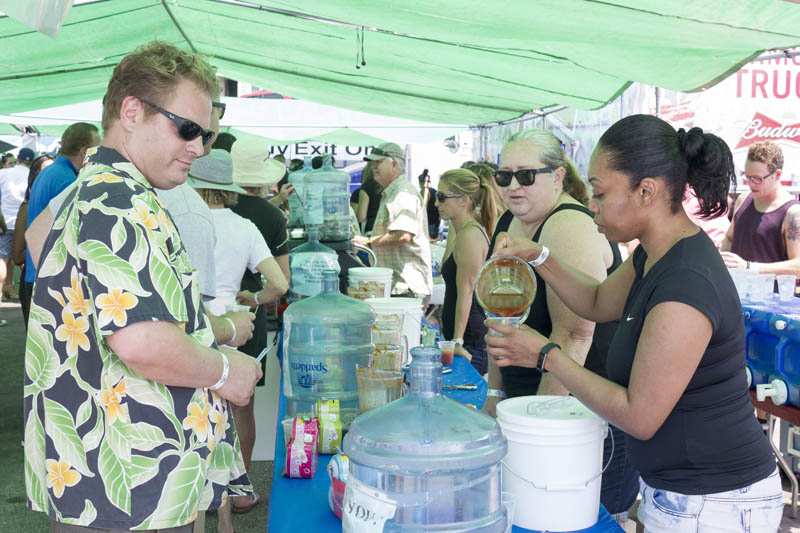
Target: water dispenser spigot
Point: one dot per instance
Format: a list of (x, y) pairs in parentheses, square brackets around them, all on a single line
[(780, 325), (775, 390)]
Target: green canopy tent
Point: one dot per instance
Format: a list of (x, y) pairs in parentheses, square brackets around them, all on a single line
[(341, 137), (446, 61)]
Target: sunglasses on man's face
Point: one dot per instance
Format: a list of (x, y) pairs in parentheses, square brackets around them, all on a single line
[(525, 176), (221, 106), (188, 130)]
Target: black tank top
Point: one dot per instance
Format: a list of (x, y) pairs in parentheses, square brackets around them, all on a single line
[(521, 381), (476, 329)]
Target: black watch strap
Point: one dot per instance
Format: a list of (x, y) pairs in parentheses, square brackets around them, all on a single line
[(546, 349)]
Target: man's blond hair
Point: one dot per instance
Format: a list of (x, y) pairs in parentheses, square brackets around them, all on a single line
[(152, 72)]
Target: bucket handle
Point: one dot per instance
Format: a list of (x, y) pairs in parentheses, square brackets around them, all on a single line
[(560, 487)]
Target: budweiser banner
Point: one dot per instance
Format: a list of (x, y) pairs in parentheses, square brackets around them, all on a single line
[(760, 102), (763, 128)]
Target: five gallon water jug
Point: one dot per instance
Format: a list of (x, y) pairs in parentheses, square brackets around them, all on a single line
[(784, 384), (296, 208), (327, 204), (307, 262), (760, 344), (325, 337), (424, 462)]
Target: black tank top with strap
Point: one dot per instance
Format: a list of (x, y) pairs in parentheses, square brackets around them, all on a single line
[(475, 329), (521, 381)]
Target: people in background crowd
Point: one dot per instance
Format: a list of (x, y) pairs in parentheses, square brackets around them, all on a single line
[(485, 171), (76, 141), (115, 294), (224, 141), (765, 233), (676, 380), (428, 194), (400, 234), (7, 161), (13, 184), (255, 174), (369, 199), (546, 205), (468, 204), (26, 289)]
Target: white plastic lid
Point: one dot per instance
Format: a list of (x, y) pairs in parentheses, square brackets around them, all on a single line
[(371, 273), (548, 412), (387, 305)]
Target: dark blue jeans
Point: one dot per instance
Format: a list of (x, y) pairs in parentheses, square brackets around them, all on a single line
[(620, 484), (479, 360)]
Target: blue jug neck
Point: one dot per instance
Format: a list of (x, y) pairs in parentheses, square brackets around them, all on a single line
[(330, 282), (426, 371)]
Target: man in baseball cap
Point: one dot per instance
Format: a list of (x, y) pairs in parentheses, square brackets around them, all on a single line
[(400, 234), (386, 150)]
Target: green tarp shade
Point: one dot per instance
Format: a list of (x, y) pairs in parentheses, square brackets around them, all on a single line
[(8, 129), (52, 130), (341, 137), (454, 61)]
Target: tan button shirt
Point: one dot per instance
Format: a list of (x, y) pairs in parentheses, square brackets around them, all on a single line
[(401, 209)]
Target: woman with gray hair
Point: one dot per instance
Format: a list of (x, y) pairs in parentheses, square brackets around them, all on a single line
[(546, 200)]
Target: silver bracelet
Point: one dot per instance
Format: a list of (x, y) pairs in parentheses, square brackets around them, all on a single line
[(233, 327), (541, 258), (496, 393), (226, 368), (458, 341)]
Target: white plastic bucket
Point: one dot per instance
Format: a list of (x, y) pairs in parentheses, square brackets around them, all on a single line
[(554, 463), (410, 311), (370, 275)]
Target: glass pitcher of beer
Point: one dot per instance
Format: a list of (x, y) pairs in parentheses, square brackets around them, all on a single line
[(506, 289)]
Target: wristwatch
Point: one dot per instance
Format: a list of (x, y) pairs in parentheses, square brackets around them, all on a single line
[(496, 393), (546, 349), (459, 341)]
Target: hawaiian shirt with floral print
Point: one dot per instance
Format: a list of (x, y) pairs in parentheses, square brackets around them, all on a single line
[(104, 446)]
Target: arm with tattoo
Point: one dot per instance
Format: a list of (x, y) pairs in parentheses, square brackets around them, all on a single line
[(791, 236)]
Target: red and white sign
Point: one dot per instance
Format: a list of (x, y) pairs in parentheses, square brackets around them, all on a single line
[(760, 102), (762, 128)]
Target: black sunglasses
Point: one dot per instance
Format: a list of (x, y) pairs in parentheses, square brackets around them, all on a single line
[(221, 106), (525, 176), (441, 197), (188, 130)]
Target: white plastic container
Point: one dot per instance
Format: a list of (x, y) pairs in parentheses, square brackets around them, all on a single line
[(369, 282), (554, 462), (410, 311)]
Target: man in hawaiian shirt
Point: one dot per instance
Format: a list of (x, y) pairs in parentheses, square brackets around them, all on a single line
[(127, 425)]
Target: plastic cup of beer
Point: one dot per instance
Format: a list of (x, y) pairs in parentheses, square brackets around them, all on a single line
[(448, 349), (236, 308), (377, 388)]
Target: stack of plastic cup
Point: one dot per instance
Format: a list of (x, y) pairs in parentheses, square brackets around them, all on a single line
[(786, 287)]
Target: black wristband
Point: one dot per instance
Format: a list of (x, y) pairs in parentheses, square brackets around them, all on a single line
[(546, 349)]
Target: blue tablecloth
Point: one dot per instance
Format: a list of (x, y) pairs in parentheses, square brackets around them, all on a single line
[(302, 504), (463, 373)]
